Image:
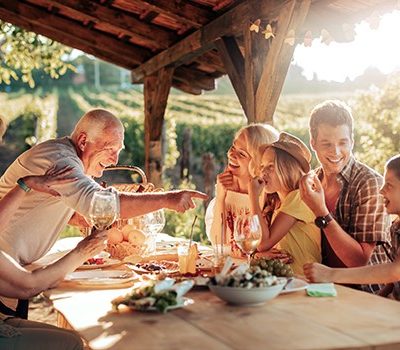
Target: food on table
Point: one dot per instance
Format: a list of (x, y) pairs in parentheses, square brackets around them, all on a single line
[(155, 295), (252, 277), (136, 237), (94, 261), (165, 267), (114, 236), (99, 259), (127, 241), (274, 266)]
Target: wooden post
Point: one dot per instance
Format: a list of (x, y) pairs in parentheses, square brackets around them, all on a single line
[(156, 91), (258, 74)]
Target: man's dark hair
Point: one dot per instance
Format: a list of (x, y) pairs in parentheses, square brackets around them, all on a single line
[(393, 164), (331, 112)]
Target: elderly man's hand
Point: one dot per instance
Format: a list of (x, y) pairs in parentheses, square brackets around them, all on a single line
[(312, 194), (181, 201), (317, 273)]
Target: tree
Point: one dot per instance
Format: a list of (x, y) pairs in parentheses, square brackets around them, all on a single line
[(22, 52), (377, 114)]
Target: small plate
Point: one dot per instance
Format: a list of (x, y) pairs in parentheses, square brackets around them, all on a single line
[(107, 263), (181, 303), (156, 267), (95, 277), (295, 285)]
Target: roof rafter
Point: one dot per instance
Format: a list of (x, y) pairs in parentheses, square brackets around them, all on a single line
[(182, 12), (70, 33), (230, 23), (118, 20)]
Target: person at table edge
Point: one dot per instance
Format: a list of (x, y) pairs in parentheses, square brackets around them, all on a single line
[(352, 215)]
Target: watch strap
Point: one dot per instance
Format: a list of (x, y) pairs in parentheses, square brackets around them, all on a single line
[(21, 183)]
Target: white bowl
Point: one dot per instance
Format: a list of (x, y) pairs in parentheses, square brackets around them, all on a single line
[(244, 296)]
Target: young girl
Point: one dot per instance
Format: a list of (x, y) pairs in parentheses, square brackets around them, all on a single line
[(288, 223), (385, 273), (232, 185)]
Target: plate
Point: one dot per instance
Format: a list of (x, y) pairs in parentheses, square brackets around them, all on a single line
[(162, 266), (181, 303), (100, 276), (295, 285), (107, 263)]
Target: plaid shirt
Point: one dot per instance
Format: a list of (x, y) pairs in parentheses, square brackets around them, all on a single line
[(360, 212)]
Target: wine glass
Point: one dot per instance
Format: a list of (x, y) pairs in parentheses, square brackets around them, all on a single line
[(103, 209), (154, 222), (247, 234)]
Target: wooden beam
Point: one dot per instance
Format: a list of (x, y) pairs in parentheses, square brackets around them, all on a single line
[(128, 25), (67, 39), (181, 11), (194, 78), (234, 65), (228, 24), (189, 89), (156, 91), (277, 60), (71, 33)]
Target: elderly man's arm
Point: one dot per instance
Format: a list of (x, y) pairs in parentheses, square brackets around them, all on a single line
[(134, 204), (351, 252)]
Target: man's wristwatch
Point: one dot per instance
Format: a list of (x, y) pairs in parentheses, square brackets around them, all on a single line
[(21, 183), (323, 221)]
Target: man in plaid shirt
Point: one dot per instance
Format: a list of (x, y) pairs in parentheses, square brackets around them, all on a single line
[(344, 194)]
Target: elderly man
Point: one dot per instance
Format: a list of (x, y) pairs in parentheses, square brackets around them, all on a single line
[(94, 144), (344, 194)]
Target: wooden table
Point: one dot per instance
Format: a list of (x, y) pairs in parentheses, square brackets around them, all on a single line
[(353, 319)]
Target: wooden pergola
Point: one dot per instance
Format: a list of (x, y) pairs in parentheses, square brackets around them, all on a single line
[(188, 44)]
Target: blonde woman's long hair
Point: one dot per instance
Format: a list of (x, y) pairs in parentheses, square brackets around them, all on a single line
[(256, 135), (289, 172)]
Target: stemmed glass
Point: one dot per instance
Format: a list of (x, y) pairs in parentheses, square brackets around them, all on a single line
[(103, 209), (247, 234), (154, 222)]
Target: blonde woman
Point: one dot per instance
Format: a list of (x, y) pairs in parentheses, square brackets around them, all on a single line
[(291, 225), (232, 197)]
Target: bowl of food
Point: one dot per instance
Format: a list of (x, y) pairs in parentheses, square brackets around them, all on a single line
[(249, 286)]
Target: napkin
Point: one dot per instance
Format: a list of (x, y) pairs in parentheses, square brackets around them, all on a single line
[(321, 290)]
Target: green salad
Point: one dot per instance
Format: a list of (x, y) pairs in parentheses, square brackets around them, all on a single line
[(146, 298)]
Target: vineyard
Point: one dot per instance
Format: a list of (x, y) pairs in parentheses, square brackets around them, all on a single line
[(211, 119)]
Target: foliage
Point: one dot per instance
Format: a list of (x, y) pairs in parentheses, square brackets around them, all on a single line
[(378, 134), (21, 52), (179, 225)]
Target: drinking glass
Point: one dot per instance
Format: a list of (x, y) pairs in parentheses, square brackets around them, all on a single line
[(247, 234), (103, 209), (154, 222)]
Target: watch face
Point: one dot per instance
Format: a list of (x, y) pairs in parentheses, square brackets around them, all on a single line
[(321, 222)]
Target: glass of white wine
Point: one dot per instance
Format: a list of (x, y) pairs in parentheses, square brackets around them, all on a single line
[(103, 209), (247, 234)]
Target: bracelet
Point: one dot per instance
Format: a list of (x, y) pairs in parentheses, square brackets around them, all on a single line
[(21, 183)]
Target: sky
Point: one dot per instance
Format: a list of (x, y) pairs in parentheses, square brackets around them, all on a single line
[(379, 48)]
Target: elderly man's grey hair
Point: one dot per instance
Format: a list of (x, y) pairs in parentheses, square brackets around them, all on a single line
[(95, 123)]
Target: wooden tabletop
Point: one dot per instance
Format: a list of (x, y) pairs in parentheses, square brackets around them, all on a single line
[(353, 319)]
